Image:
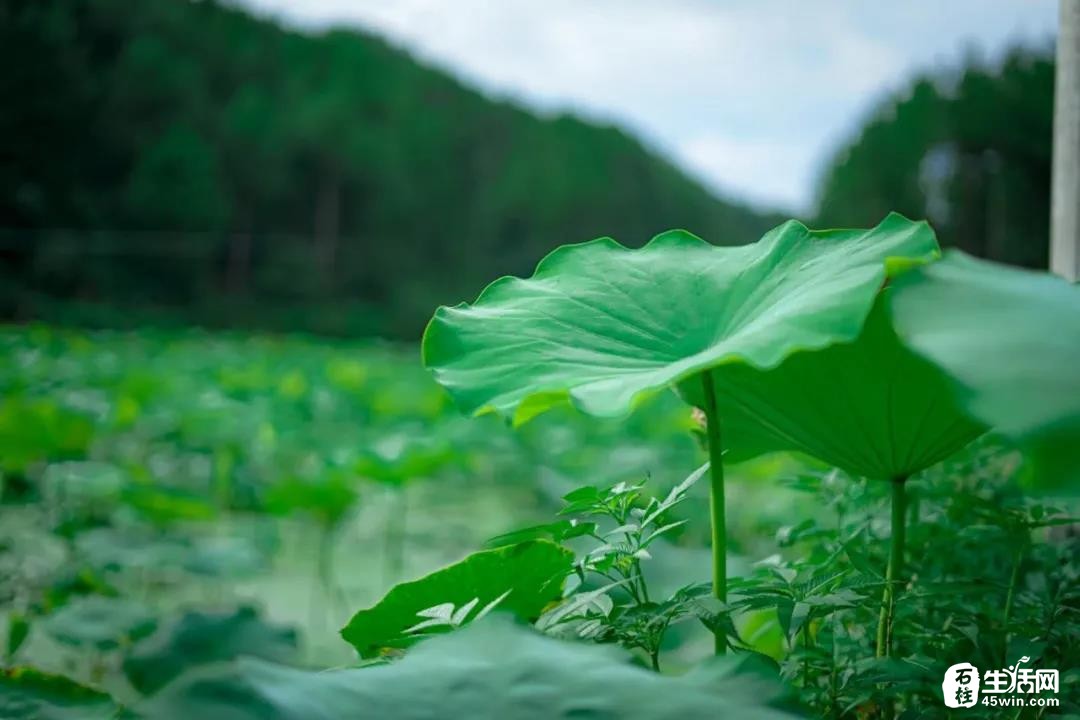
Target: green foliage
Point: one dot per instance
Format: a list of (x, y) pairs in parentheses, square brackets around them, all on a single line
[(18, 629), (101, 623), (602, 326), (204, 638), (190, 161), (871, 407), (968, 148), (407, 455), (983, 584), (490, 670), (175, 184), (34, 429), (778, 360), (613, 602), (327, 499), (521, 579), (27, 694), (1010, 341), (830, 343)]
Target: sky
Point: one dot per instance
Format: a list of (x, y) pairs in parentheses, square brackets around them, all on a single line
[(752, 97)]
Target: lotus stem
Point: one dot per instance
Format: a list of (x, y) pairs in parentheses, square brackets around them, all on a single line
[(394, 546), (716, 501), (1014, 579), (333, 595), (895, 568)]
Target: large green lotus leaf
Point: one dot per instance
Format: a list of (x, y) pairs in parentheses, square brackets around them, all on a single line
[(521, 579), (602, 326), (27, 694), (871, 407), (1010, 339), (202, 638), (491, 670)]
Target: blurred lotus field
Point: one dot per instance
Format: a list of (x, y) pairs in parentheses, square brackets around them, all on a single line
[(172, 500), (150, 475)]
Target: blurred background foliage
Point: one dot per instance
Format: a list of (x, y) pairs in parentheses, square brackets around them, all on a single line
[(184, 162), (173, 496), (186, 155), (968, 149)]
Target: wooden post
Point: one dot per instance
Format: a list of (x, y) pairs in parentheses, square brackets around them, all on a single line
[(1065, 193)]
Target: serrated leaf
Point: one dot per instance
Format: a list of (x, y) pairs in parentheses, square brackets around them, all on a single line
[(580, 603), (800, 614), (660, 531), (557, 531), (676, 495)]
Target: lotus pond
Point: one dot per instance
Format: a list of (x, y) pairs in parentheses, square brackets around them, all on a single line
[(799, 478)]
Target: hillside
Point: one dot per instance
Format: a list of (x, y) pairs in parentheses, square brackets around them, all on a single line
[(969, 148), (186, 161)]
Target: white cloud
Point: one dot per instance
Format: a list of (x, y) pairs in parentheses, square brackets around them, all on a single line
[(780, 168), (750, 95)]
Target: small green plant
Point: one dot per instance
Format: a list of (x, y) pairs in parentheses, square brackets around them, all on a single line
[(609, 598), (985, 592)]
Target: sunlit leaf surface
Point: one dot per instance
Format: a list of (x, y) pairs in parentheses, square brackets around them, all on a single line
[(603, 326)]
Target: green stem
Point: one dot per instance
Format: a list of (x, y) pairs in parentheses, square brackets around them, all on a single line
[(332, 594), (895, 569), (1014, 578), (806, 655), (716, 501), (394, 549)]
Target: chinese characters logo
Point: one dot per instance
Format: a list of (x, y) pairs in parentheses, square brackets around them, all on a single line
[(962, 685)]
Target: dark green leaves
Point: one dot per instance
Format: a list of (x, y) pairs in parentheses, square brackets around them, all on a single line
[(102, 623), (1010, 340), (202, 638), (488, 671), (603, 326), (521, 579), (27, 694), (870, 407)]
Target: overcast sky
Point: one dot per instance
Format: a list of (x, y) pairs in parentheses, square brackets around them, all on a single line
[(751, 96)]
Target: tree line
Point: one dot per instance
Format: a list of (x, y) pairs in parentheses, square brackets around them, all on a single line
[(968, 148), (187, 156), (188, 162)]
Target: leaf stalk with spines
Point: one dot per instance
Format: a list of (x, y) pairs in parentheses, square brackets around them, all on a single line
[(717, 513), (895, 569)]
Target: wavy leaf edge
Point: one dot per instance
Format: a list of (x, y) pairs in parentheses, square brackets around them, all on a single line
[(544, 399)]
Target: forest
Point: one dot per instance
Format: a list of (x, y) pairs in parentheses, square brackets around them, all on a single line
[(184, 162)]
